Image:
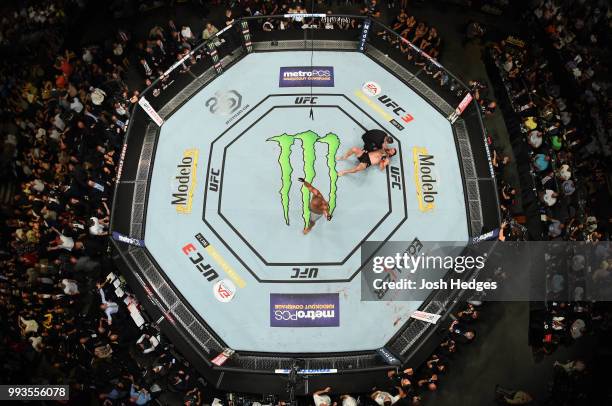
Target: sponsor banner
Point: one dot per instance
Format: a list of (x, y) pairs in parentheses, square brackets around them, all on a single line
[(144, 103), (223, 31), (306, 76), (308, 140), (459, 110), (224, 290), (128, 240), (464, 103), (425, 178), (388, 357), (120, 166), (424, 316), (490, 236), (184, 181), (370, 102), (364, 34), (246, 35), (214, 254), (197, 259), (302, 16), (222, 357), (405, 41), (308, 371), (430, 59), (214, 55), (372, 95), (177, 63), (305, 310), (371, 88)]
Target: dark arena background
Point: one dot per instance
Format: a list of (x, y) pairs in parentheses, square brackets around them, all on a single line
[(270, 202)]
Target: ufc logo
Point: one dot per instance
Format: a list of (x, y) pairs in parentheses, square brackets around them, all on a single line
[(214, 180), (306, 100), (306, 273), (396, 179)]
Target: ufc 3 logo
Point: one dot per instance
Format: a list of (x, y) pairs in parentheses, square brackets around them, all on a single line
[(395, 108)]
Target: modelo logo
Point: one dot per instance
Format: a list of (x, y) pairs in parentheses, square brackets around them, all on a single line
[(364, 35), (371, 88), (224, 290), (309, 73), (304, 314), (184, 181), (424, 178), (224, 103)]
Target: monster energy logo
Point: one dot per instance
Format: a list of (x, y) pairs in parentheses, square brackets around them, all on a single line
[(308, 141)]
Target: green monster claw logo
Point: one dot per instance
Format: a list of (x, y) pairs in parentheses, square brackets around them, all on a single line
[(308, 140)]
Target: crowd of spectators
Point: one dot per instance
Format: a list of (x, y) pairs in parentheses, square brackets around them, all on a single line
[(565, 169), (65, 315), (418, 33), (578, 31), (568, 155), (67, 318), (410, 385)]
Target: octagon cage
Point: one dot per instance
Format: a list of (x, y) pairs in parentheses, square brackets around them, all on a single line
[(271, 372)]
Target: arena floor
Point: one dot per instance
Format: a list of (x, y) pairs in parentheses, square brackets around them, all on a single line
[(224, 199)]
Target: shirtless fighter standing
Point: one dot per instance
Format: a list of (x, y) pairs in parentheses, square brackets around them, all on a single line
[(318, 206)]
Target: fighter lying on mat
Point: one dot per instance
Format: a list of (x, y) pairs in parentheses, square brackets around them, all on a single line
[(366, 159)]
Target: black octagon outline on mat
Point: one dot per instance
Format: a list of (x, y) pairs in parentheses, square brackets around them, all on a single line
[(351, 253), (254, 249)]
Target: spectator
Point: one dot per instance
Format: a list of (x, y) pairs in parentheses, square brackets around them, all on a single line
[(321, 397)]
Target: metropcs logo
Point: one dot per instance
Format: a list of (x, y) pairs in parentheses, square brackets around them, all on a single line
[(304, 314), (424, 178), (185, 181), (308, 140), (314, 74), (302, 76), (304, 310)]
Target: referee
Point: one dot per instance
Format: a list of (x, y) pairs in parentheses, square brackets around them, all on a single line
[(374, 140)]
